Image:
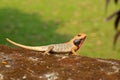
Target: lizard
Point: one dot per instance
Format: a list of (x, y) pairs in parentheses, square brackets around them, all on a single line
[(68, 47)]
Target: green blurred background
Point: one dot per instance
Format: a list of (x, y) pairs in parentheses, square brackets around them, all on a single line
[(42, 22)]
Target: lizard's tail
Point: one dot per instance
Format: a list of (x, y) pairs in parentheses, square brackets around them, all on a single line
[(24, 46)]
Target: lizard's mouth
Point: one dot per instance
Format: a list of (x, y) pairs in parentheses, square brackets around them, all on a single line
[(81, 41)]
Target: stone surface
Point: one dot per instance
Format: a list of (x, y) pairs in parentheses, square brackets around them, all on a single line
[(21, 64)]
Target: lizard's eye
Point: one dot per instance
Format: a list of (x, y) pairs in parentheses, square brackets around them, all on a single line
[(77, 42), (79, 34)]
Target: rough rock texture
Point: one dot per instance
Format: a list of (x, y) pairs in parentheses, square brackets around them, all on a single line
[(21, 64)]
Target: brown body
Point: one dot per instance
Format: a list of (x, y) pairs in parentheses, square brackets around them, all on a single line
[(69, 47)]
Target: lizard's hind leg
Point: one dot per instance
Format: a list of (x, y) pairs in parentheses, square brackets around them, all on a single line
[(48, 50)]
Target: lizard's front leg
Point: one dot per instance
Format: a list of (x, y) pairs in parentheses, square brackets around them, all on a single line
[(73, 52), (48, 50)]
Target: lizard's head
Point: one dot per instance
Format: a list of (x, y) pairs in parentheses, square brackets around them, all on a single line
[(78, 39)]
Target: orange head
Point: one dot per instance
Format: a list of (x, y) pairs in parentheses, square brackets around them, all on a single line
[(78, 40)]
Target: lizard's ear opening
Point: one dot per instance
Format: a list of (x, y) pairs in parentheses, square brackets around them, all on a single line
[(77, 42)]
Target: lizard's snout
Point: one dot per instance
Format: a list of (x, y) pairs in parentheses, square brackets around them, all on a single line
[(84, 37)]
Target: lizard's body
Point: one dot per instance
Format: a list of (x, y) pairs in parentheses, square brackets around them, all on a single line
[(58, 48), (68, 47)]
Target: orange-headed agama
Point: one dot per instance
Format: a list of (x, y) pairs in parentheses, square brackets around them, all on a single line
[(69, 47)]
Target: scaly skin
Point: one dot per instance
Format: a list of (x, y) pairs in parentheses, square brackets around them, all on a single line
[(69, 47)]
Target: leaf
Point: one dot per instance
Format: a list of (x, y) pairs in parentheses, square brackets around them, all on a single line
[(117, 22), (106, 5), (117, 35), (112, 15), (116, 1)]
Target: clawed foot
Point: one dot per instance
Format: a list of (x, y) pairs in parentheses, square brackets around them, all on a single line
[(47, 52)]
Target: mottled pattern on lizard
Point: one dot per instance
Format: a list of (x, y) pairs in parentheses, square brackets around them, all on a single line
[(59, 48), (69, 47)]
